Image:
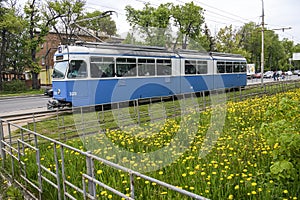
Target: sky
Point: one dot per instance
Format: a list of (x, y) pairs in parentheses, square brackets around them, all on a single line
[(220, 13)]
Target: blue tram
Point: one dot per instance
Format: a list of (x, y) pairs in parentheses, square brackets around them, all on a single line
[(98, 73)]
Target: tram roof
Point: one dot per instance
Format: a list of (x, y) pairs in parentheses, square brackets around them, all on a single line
[(113, 48)]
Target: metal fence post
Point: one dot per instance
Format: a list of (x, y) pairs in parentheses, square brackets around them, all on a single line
[(138, 112), (90, 172), (1, 145), (131, 185)]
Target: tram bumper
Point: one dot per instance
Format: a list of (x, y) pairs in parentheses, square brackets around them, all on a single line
[(54, 103)]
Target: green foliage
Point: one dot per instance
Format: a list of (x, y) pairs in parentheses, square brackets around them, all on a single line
[(106, 24), (282, 132), (152, 22), (189, 19), (14, 86), (61, 14)]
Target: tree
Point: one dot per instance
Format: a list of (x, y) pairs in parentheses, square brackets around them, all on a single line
[(105, 25), (189, 19), (288, 49), (63, 13), (153, 22), (10, 28), (38, 27), (250, 41), (204, 41), (227, 40)]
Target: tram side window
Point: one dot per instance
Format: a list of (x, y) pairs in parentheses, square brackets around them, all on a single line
[(102, 67), (202, 67), (190, 67), (126, 67), (228, 67), (163, 67), (221, 67), (146, 67), (236, 67), (243, 67), (77, 69)]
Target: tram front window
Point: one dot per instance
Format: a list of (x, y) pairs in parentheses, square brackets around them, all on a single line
[(59, 70)]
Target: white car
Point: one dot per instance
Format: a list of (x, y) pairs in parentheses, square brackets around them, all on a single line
[(289, 73), (268, 74)]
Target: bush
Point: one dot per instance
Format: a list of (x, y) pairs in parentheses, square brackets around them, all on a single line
[(14, 86)]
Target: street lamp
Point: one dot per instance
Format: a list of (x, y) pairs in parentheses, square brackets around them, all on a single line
[(262, 44)]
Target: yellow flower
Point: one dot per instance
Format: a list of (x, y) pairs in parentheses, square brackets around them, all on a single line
[(160, 172), (253, 192), (109, 196), (191, 173), (99, 171), (253, 184), (184, 175), (202, 173), (285, 191), (230, 196), (236, 187)]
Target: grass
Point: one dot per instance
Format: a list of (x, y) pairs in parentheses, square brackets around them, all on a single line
[(23, 93), (243, 161)]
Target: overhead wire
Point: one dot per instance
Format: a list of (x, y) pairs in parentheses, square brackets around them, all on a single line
[(211, 13)]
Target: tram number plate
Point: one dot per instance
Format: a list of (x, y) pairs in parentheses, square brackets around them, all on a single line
[(72, 94)]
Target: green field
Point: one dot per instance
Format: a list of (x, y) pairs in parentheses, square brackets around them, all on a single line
[(254, 156)]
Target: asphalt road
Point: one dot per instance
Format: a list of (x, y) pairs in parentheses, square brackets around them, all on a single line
[(26, 104)]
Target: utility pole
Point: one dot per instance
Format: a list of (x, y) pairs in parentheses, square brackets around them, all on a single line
[(262, 44)]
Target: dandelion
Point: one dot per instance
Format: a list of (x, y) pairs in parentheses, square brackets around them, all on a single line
[(203, 173), (191, 173), (109, 196), (253, 184), (236, 187), (285, 191), (230, 196), (161, 172), (163, 193), (192, 188), (253, 192), (99, 171), (184, 174)]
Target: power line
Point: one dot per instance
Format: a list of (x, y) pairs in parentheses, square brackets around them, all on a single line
[(211, 13)]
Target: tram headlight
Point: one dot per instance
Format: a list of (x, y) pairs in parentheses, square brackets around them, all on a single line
[(58, 91)]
